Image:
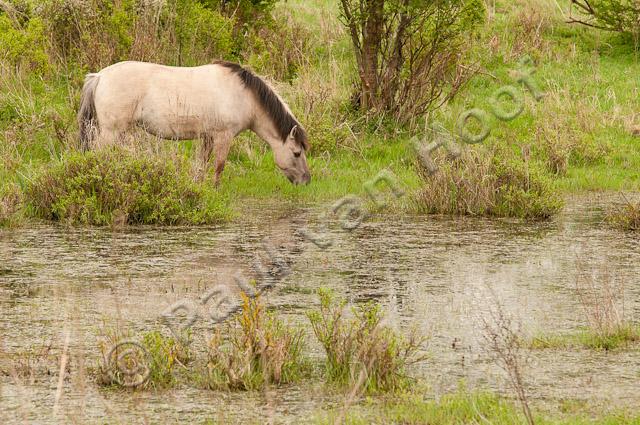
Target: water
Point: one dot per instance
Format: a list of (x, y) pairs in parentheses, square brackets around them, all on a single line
[(438, 275)]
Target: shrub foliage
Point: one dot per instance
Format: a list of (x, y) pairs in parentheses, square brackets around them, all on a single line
[(408, 52), (257, 349), (115, 186), (611, 15)]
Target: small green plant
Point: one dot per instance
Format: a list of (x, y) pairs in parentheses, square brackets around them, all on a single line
[(493, 183), (362, 348), (115, 186), (165, 354), (256, 349), (586, 338), (148, 364)]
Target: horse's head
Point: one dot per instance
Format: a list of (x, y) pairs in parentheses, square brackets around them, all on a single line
[(291, 159)]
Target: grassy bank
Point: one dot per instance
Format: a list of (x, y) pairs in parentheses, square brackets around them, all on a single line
[(579, 135)]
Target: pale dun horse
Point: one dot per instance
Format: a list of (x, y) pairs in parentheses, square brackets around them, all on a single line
[(211, 102)]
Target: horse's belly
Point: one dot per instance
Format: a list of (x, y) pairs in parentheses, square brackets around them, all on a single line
[(178, 127)]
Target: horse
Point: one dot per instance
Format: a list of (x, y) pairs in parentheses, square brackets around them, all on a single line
[(213, 102)]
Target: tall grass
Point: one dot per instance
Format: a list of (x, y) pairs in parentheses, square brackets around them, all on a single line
[(625, 217), (494, 182)]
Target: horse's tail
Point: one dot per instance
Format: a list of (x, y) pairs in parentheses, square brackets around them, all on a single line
[(87, 117)]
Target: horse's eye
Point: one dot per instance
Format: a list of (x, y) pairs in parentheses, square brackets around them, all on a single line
[(297, 154)]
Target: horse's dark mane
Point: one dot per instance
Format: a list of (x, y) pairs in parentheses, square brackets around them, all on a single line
[(270, 102)]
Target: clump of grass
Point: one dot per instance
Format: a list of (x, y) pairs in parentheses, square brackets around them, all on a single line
[(10, 205), (256, 349), (461, 407), (362, 351), (148, 364), (626, 217), (488, 183), (602, 299), (115, 186), (165, 354)]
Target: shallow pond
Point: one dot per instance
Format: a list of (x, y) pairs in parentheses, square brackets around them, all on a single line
[(439, 275)]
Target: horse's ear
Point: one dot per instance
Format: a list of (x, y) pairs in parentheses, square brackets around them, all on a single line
[(292, 133)]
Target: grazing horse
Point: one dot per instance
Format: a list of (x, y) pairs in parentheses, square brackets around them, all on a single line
[(213, 102)]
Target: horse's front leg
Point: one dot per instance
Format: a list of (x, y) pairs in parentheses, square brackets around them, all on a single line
[(222, 146)]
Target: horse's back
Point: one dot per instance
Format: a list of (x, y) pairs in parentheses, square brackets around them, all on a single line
[(169, 101)]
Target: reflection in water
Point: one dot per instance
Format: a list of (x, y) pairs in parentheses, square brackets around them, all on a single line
[(432, 273)]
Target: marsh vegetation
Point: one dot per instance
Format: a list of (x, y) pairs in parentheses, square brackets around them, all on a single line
[(544, 211)]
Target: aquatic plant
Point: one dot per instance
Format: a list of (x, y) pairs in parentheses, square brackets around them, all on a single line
[(146, 364), (254, 350), (362, 352), (626, 217)]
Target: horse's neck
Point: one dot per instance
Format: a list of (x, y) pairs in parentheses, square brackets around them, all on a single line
[(265, 129)]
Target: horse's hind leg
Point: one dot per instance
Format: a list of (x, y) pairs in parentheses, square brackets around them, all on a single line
[(202, 165), (220, 143), (108, 137), (222, 146)]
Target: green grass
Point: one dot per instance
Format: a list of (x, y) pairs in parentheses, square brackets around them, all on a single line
[(620, 338), (460, 408), (334, 175)]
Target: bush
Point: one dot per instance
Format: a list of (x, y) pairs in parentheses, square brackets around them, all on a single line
[(117, 187), (257, 349), (24, 45), (610, 15), (494, 183), (97, 33), (362, 352), (408, 53)]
